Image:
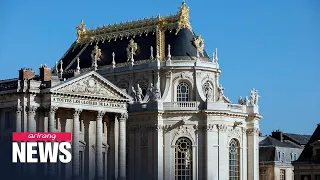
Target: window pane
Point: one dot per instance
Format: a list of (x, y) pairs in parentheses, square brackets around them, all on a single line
[(183, 159), (234, 159)]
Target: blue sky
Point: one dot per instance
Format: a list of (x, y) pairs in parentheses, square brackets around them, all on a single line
[(273, 46)]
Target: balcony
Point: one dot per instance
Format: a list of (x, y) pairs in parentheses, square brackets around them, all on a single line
[(174, 106)]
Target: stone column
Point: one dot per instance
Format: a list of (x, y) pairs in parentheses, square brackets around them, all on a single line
[(31, 119), (51, 111), (18, 118), (98, 163), (75, 143), (32, 128), (122, 146)]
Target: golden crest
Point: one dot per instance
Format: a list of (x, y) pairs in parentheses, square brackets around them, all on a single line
[(199, 43), (132, 48), (81, 30), (96, 53), (183, 18)]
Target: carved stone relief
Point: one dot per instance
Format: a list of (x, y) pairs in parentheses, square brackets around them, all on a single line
[(183, 75), (88, 85)]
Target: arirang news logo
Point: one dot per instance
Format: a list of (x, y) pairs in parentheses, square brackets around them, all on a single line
[(43, 147)]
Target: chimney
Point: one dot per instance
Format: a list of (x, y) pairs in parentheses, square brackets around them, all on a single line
[(45, 73), (26, 73), (277, 134)]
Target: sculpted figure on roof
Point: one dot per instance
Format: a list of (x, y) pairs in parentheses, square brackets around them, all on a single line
[(81, 30)]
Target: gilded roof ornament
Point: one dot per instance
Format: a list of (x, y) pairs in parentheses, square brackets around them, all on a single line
[(199, 44), (183, 18), (81, 31), (131, 49), (95, 56), (96, 53)]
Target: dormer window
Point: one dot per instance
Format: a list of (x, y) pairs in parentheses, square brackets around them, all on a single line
[(183, 92), (316, 150)]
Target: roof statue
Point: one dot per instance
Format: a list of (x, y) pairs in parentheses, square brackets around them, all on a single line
[(81, 30), (131, 50), (183, 18), (254, 96), (95, 56), (199, 43)]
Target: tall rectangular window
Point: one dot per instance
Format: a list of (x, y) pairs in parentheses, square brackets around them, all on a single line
[(279, 156), (282, 157), (81, 163), (282, 174), (8, 120), (104, 164)]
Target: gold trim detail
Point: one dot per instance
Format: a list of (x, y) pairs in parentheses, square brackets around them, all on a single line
[(132, 46), (135, 27), (199, 43)]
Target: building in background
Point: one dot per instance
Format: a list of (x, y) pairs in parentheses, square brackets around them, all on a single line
[(307, 167), (177, 122), (276, 155)]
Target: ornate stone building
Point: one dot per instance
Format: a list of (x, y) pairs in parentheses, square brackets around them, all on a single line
[(179, 125)]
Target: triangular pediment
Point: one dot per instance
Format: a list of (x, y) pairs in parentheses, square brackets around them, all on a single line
[(90, 84)]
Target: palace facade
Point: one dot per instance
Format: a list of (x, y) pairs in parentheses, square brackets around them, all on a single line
[(142, 100)]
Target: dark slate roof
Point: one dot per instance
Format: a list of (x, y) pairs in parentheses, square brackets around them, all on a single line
[(266, 154), (272, 142), (297, 138), (157, 31), (306, 154), (182, 47)]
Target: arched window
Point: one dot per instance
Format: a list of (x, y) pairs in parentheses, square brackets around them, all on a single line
[(183, 92), (183, 159), (234, 160)]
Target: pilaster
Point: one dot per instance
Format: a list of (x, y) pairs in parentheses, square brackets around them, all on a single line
[(212, 152), (223, 151), (253, 147)]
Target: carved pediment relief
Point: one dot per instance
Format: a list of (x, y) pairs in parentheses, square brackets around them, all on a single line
[(91, 84)]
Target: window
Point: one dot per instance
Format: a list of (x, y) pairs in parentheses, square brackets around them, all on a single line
[(317, 154), (282, 174), (183, 159), (81, 163), (263, 174), (104, 163), (279, 156), (282, 157), (295, 156), (234, 160), (183, 92), (8, 120)]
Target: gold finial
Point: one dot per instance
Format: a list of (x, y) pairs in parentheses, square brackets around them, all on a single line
[(81, 30), (183, 18), (199, 44)]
